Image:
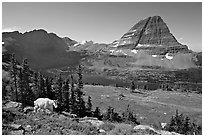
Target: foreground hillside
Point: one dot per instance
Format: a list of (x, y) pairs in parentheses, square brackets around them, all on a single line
[(151, 108)]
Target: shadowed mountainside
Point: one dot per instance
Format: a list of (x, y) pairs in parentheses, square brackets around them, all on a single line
[(43, 50)]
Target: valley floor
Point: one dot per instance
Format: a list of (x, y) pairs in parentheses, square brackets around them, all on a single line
[(151, 107)]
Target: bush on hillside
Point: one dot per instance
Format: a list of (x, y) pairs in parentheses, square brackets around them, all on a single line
[(182, 124)]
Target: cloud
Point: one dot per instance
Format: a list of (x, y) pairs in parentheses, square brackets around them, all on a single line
[(11, 29)]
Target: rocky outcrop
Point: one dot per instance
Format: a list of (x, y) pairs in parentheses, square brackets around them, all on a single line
[(69, 42), (152, 34), (150, 130)]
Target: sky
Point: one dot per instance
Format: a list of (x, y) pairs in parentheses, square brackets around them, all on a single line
[(103, 22)]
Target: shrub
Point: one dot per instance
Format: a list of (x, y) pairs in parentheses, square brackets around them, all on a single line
[(107, 126), (111, 115), (129, 117), (182, 124)]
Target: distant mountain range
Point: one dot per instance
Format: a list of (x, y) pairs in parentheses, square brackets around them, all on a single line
[(43, 50), (148, 43)]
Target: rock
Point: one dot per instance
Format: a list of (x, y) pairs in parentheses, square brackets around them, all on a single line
[(62, 117), (69, 114), (88, 118), (143, 127), (162, 132), (102, 131), (17, 132), (28, 128), (16, 126), (28, 109), (12, 104), (163, 125), (146, 129), (151, 130), (93, 122)]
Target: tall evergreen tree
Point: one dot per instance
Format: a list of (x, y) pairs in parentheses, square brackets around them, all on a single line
[(132, 87), (49, 90), (89, 107), (81, 108), (73, 97), (36, 84), (129, 116), (27, 92), (97, 113), (21, 87), (59, 84), (80, 82), (80, 100), (108, 114), (42, 93), (48, 87), (14, 75), (66, 95)]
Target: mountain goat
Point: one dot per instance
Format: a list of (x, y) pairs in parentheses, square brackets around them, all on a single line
[(44, 104)]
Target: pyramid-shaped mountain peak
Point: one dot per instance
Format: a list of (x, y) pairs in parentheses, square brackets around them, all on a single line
[(150, 32)]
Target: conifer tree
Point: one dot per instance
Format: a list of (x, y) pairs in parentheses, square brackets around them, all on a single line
[(108, 114), (48, 87), (66, 95), (50, 93), (80, 101), (36, 84), (14, 75), (73, 97), (186, 126), (27, 92), (21, 87), (42, 87), (132, 87), (89, 107), (129, 116), (80, 82), (59, 91), (97, 113)]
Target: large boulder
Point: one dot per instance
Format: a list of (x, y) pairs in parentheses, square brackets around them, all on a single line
[(150, 130), (28, 109), (12, 104), (146, 129), (16, 127), (17, 132), (91, 120)]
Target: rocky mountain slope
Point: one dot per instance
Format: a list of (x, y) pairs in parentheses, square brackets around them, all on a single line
[(149, 43), (151, 33)]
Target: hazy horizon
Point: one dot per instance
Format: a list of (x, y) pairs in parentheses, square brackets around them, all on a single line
[(103, 22)]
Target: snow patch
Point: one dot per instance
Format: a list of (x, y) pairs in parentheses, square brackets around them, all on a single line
[(115, 44), (143, 45), (83, 42), (111, 51), (134, 51), (77, 44), (169, 57), (154, 56)]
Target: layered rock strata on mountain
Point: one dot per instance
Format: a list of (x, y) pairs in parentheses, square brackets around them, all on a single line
[(153, 34)]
